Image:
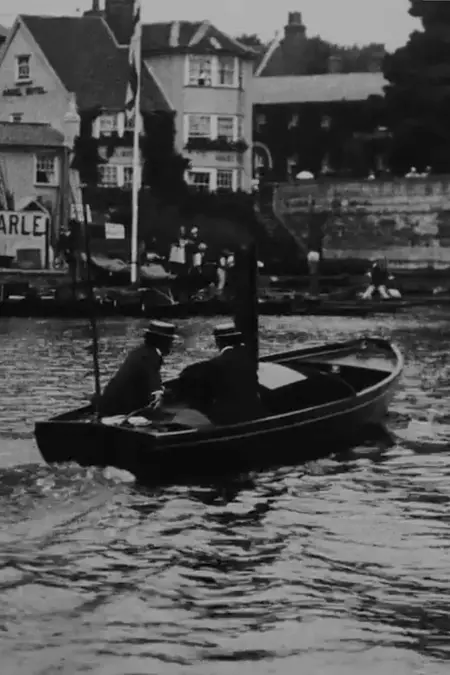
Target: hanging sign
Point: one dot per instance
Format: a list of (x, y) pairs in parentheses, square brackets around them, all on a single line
[(23, 231)]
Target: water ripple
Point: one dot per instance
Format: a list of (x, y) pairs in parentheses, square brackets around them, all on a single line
[(341, 566)]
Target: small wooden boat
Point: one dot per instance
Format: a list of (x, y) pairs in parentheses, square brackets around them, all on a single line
[(318, 400)]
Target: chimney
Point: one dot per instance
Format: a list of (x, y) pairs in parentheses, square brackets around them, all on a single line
[(294, 27), (293, 45), (119, 17), (334, 63), (95, 10)]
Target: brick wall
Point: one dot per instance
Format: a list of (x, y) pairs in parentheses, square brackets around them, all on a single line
[(405, 220)]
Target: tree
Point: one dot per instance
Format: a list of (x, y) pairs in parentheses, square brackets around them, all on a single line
[(164, 167), (251, 40), (418, 94)]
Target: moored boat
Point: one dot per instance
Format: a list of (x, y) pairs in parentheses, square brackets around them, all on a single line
[(318, 400)]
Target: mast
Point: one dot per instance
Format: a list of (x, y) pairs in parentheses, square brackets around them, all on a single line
[(132, 112), (246, 311)]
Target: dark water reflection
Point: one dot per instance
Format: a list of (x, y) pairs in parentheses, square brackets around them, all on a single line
[(336, 567)]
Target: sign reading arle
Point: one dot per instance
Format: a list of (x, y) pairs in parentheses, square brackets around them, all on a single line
[(24, 231), (14, 224)]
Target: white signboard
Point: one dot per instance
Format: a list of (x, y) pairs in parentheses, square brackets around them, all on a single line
[(114, 231), (23, 231)]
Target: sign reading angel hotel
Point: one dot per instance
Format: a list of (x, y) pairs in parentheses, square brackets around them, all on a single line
[(21, 231)]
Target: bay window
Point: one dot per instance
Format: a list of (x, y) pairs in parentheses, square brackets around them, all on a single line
[(213, 71), (225, 179), (229, 127), (226, 71), (226, 127), (201, 180), (199, 126), (200, 70)]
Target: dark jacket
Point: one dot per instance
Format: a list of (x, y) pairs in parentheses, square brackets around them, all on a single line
[(379, 275), (133, 384), (225, 387)]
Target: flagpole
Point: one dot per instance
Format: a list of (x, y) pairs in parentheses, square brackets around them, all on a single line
[(136, 46)]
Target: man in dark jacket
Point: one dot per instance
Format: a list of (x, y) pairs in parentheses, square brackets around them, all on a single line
[(379, 278), (226, 387), (137, 384)]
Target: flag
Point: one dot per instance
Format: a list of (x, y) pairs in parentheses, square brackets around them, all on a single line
[(134, 62)]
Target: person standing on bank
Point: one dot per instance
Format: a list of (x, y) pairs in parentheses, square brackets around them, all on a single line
[(379, 279), (137, 384)]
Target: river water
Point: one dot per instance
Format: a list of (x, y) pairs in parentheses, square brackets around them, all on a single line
[(339, 567)]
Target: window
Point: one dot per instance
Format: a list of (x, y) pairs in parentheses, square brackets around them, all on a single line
[(23, 68), (200, 180), (16, 117), (127, 177), (225, 179), (129, 122), (241, 74), (294, 121), (240, 128), (225, 127), (260, 122), (226, 71), (200, 71), (108, 175), (199, 126), (45, 169), (107, 124)]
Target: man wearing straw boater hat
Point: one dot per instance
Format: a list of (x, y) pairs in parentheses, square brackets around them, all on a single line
[(137, 384), (225, 387)]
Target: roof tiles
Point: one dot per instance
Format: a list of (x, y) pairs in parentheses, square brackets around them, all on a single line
[(29, 134), (83, 53)]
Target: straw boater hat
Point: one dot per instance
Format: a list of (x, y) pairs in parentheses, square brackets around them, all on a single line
[(226, 330), (161, 329)]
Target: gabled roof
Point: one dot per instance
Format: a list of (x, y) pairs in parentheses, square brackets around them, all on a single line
[(85, 56), (317, 88), (30, 134), (196, 37)]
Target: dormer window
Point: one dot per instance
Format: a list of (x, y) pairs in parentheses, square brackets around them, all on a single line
[(23, 68), (107, 124)]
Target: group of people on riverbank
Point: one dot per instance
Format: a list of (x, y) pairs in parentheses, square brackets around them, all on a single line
[(221, 390)]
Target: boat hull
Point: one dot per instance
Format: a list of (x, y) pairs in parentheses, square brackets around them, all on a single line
[(293, 438)]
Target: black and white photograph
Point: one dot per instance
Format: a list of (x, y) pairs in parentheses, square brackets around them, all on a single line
[(224, 315)]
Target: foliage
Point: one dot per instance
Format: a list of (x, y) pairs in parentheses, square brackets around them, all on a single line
[(251, 40), (220, 144), (418, 94), (349, 143), (164, 168), (86, 158)]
